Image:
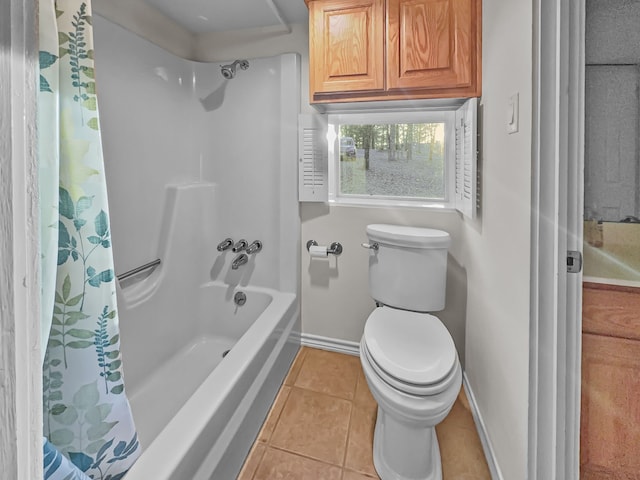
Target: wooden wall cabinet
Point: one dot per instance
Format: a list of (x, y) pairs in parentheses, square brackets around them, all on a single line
[(394, 49), (347, 41)]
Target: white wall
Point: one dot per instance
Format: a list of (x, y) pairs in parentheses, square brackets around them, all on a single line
[(255, 43), (149, 129), (152, 25), (335, 291), (496, 252), (166, 120), (248, 143), (149, 23)]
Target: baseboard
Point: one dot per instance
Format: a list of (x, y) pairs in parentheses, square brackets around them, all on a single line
[(489, 453), (331, 344)]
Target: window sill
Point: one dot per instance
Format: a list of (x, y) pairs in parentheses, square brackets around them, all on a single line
[(391, 204)]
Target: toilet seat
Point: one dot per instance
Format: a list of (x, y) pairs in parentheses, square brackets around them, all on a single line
[(410, 351)]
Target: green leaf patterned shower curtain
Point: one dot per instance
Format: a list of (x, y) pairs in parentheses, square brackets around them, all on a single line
[(86, 413)]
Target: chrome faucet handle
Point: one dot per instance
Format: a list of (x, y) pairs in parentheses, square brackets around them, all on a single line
[(225, 244), (255, 247), (239, 246)]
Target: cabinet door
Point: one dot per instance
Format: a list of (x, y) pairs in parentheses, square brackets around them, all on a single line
[(610, 416), (433, 44), (346, 45)]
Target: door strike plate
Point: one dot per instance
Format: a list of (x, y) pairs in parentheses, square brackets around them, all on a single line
[(574, 261)]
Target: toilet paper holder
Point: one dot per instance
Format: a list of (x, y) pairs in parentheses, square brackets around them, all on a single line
[(334, 249)]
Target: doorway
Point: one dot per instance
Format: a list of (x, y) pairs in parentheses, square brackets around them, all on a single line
[(610, 406)]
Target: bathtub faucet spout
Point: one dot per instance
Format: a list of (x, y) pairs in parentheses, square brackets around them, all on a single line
[(239, 260)]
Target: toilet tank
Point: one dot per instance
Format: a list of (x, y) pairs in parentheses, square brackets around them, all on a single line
[(408, 269)]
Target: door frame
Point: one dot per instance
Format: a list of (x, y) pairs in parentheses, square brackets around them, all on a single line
[(21, 372), (556, 226)]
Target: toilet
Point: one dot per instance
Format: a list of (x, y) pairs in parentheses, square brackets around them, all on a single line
[(407, 354)]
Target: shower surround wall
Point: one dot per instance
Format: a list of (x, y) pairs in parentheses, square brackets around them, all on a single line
[(183, 174), (157, 132)]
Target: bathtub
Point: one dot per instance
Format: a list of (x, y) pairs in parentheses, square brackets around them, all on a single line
[(200, 392)]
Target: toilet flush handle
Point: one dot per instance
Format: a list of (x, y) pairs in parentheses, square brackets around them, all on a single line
[(371, 246)]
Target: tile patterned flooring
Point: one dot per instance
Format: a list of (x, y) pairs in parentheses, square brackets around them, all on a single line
[(320, 427)]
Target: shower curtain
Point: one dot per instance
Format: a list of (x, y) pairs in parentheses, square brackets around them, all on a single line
[(88, 427)]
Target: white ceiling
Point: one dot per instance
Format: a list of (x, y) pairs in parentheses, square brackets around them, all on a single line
[(202, 16)]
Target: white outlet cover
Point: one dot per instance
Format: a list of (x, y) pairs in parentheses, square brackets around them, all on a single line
[(513, 113)]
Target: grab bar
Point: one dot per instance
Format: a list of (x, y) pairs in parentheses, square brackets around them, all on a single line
[(142, 268)]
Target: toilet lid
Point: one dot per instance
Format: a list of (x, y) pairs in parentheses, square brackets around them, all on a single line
[(412, 347)]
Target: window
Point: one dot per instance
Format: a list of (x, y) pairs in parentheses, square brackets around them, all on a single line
[(391, 158), (412, 158)]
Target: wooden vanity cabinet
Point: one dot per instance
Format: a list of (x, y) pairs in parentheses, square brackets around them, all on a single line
[(394, 49), (610, 410)]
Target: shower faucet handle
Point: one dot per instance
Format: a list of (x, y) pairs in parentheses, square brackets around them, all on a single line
[(239, 246), (255, 247), (225, 244)]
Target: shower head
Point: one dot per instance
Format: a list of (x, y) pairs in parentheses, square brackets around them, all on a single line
[(229, 71)]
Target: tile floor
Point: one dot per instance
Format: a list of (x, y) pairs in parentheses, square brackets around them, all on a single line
[(321, 427)]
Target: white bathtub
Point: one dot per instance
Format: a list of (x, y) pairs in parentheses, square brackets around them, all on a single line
[(198, 413)]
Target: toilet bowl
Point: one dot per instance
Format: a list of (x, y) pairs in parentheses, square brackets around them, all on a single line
[(408, 356), (412, 369)]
